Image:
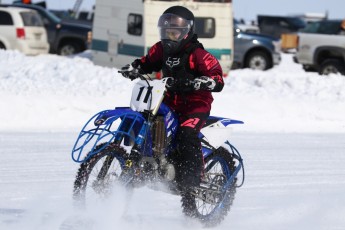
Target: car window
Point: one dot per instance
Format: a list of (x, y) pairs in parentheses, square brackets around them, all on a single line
[(297, 22), (5, 18), (284, 24), (312, 27), (135, 24), (323, 27), (31, 19), (329, 27), (205, 27)]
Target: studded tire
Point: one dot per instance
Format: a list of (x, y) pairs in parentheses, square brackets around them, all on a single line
[(222, 162), (98, 173)]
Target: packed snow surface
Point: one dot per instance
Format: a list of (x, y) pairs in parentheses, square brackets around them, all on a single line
[(292, 142)]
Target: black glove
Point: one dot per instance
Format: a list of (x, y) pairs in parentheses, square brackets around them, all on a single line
[(180, 85), (204, 83), (129, 72)]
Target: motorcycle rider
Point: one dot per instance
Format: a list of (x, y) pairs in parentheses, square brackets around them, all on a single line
[(195, 73)]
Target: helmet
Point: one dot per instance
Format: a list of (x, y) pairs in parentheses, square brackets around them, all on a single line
[(176, 28)]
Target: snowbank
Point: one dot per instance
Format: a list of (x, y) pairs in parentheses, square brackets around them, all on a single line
[(50, 92)]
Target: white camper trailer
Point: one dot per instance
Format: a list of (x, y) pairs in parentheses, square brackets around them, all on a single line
[(125, 30)]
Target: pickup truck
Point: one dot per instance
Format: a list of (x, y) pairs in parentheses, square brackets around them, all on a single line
[(321, 47), (64, 38)]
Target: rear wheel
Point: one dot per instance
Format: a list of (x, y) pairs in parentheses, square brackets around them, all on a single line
[(211, 202), (2, 46), (98, 174), (332, 66)]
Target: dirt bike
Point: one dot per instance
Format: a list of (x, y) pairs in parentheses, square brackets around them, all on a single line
[(133, 146)]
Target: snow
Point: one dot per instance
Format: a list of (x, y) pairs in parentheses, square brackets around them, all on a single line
[(292, 143), (49, 92)]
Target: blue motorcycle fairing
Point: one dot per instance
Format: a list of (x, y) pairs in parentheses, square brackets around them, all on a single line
[(132, 128), (225, 121), (99, 129)]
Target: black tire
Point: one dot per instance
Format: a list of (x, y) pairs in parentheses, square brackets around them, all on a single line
[(219, 164), (2, 46), (69, 48), (332, 66), (258, 60), (97, 174), (308, 68)]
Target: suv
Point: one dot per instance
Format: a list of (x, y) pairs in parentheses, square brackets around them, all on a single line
[(22, 29), (65, 38), (255, 51)]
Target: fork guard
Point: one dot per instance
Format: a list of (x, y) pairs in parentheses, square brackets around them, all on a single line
[(236, 155), (99, 126)]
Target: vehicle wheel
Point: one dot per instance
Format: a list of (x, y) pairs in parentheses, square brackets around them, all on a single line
[(99, 173), (258, 60), (69, 48), (332, 66), (2, 46), (308, 68), (211, 203)]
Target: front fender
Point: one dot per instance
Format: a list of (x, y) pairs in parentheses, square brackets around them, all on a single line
[(105, 127)]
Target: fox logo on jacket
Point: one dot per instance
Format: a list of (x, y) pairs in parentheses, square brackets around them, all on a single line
[(171, 62)]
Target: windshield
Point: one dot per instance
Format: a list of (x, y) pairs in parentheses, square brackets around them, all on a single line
[(297, 22), (52, 17)]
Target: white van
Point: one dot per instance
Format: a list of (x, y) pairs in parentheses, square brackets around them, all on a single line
[(125, 30), (22, 30)]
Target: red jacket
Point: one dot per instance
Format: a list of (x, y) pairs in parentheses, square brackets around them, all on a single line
[(202, 63)]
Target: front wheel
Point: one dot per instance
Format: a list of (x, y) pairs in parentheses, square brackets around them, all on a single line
[(99, 173), (211, 202), (69, 48), (258, 60)]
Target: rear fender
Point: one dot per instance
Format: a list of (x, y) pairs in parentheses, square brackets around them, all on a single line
[(216, 132)]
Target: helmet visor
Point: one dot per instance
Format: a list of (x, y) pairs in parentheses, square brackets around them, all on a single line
[(173, 27)]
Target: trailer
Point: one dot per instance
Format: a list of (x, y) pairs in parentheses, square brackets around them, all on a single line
[(125, 30)]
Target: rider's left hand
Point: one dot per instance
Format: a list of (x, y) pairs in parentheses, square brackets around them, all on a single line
[(180, 85), (204, 83)]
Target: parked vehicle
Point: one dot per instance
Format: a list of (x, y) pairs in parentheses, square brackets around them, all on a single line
[(118, 38), (255, 51), (321, 47), (22, 29), (64, 38), (275, 26)]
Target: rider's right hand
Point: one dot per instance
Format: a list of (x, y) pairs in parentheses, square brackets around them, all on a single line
[(129, 72)]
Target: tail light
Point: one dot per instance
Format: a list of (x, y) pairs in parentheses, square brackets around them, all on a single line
[(20, 33)]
